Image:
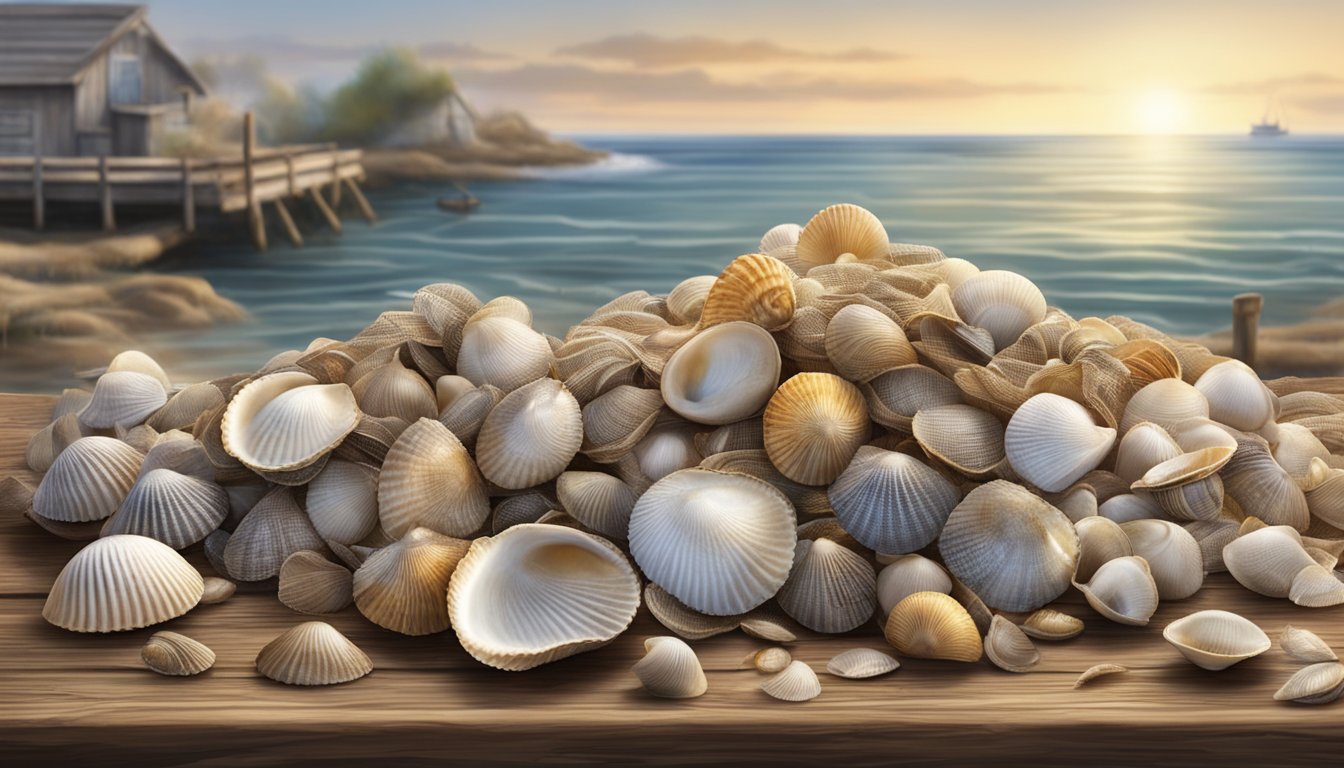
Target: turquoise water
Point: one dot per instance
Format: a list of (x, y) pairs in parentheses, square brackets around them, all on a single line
[(1163, 229)]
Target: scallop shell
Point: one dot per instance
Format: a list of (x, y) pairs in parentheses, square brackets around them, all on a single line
[(896, 395), (745, 435), (839, 230), (1305, 646), (1236, 395), (122, 582), (287, 421), (906, 575), (830, 588), (723, 374), (1049, 624), (1164, 402), (1099, 539), (50, 441), (779, 236), (1009, 648), (1077, 502), (1052, 441), (1123, 591), (676, 616), (615, 421), (861, 663), (313, 653), (891, 502), (1014, 550), (1216, 640), (1319, 683), (1143, 447), (770, 660), (447, 389), (343, 501), (1173, 556), (766, 628), (310, 583), (395, 390), (428, 479), (402, 586), (217, 590), (503, 352), (1257, 483), (272, 531), (931, 625), (88, 481), (537, 593), (1096, 671), (796, 683), (814, 423), (670, 669), (755, 288), (530, 436), (861, 343), (177, 509), (524, 508), (600, 501), (965, 438), (446, 307), (122, 399), (687, 299), (184, 407), (169, 653)]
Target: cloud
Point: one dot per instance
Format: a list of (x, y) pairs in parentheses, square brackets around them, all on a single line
[(1326, 104), (284, 50), (458, 52), (1274, 84), (653, 52)]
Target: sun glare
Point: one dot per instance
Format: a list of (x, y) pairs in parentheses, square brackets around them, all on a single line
[(1160, 110)]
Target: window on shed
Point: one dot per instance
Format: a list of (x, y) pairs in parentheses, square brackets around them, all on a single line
[(123, 79)]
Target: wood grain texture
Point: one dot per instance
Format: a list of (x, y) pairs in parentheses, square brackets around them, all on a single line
[(70, 697)]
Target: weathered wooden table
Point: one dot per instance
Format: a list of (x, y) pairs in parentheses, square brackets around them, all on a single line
[(71, 698)]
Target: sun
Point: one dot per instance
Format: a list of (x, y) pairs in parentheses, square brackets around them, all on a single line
[(1160, 110)]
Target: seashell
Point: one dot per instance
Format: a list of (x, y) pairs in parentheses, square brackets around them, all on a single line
[(1100, 539), (1001, 302), (122, 582), (1212, 536), (723, 374), (1316, 586), (1049, 624), (1216, 640), (891, 502), (861, 343), (814, 423), (764, 628), (217, 590), (1295, 449), (807, 500), (895, 396), (1096, 671), (1319, 683), (861, 663), (177, 509), (523, 508), (770, 660), (1052, 441), (287, 421), (616, 420), (446, 307), (670, 669), (721, 543), (135, 361), (310, 583), (905, 576), (687, 299), (745, 435), (87, 481), (184, 407), (1236, 395), (1143, 447), (530, 436), (1147, 360), (796, 683), (1129, 506), (1009, 546), (179, 452), (692, 625), (830, 588), (755, 288), (1257, 483), (467, 413), (401, 587), (429, 480), (779, 236), (169, 653), (395, 390), (965, 438), (1009, 648), (1123, 591), (503, 352), (1164, 402), (122, 399), (313, 653), (272, 531), (48, 443), (600, 501), (1196, 434), (931, 625), (1305, 646), (447, 389), (1172, 554), (537, 593), (343, 501), (1078, 502), (839, 230)]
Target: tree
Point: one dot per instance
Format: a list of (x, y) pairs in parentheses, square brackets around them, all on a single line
[(390, 87)]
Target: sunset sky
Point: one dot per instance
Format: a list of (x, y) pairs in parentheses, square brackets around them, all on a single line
[(1043, 66)]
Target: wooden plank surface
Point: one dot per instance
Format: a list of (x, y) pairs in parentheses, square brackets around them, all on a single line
[(70, 697)]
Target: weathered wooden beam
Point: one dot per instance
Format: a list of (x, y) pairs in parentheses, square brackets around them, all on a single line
[(255, 219), (295, 238), (327, 213), (256, 224), (1246, 326), (289, 174), (335, 177), (188, 198), (39, 199), (364, 208), (105, 195)]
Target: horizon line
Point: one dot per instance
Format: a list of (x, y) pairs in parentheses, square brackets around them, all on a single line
[(948, 134)]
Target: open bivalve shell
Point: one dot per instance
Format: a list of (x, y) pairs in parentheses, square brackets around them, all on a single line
[(88, 481), (830, 589), (670, 669), (891, 502), (428, 479), (1009, 647), (1319, 683), (122, 582), (310, 583), (537, 593), (906, 575), (403, 586), (287, 421), (962, 436), (1051, 441), (1216, 640), (1305, 646), (174, 508), (531, 436), (814, 423), (1172, 554), (1123, 591), (861, 663), (123, 399), (723, 374), (1001, 302), (931, 625), (313, 653), (1100, 539), (796, 683), (169, 653)]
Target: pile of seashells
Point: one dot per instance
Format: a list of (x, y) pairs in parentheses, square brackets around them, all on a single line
[(833, 430)]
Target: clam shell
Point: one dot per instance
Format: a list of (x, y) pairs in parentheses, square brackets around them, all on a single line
[(1143, 447), (177, 509), (600, 501), (217, 590), (861, 343), (1164, 402), (1129, 506), (465, 415), (779, 236), (1305, 646), (615, 421), (1173, 556), (1319, 683), (122, 399), (687, 299), (184, 407), (721, 543), (890, 502), (1001, 302), (1009, 648), (287, 421), (395, 390), (896, 395), (169, 653), (1123, 591), (1216, 640), (964, 437), (531, 436), (523, 508), (670, 669), (931, 625), (764, 627), (402, 587), (48, 443), (755, 288), (770, 660), (796, 683), (839, 230), (1014, 550), (830, 588), (861, 663), (447, 389), (1296, 449), (446, 307), (537, 593), (1236, 395), (133, 360), (906, 575), (1096, 671), (88, 481), (1316, 586), (343, 501), (723, 374), (428, 479), (807, 500), (313, 653), (1099, 539), (1052, 441), (503, 352), (814, 423), (310, 583), (668, 447), (1049, 624), (1256, 482), (122, 582), (1077, 502), (692, 625), (273, 530)]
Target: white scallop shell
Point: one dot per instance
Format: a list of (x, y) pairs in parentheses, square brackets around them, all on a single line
[(1165, 402), (122, 582), (123, 399), (723, 374), (87, 481), (861, 663), (531, 436), (600, 501), (395, 390), (503, 352), (890, 502), (286, 421), (779, 236), (1173, 556), (1305, 646), (1001, 302), (1051, 441), (670, 669), (342, 501), (905, 576), (313, 653), (796, 683), (1123, 591), (272, 530), (429, 479)]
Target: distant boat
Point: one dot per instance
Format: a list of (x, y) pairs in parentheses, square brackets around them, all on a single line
[(1270, 124), (464, 203)]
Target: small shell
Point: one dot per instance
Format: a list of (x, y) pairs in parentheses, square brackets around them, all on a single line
[(1172, 554), (1009, 648), (123, 399), (1099, 670), (962, 436), (287, 421), (88, 481), (342, 501), (1305, 646), (524, 508), (122, 582), (1316, 586), (50, 441), (839, 230), (139, 362), (1319, 683), (668, 447), (169, 653), (615, 421), (503, 352), (1124, 507), (755, 288), (1298, 450), (861, 663), (465, 415), (723, 374), (796, 683), (401, 587), (891, 502), (692, 625), (861, 343), (1049, 624), (217, 590), (1236, 395), (177, 509), (446, 307), (770, 660), (313, 653), (1143, 447), (310, 583), (1164, 402), (395, 390), (906, 575), (1052, 441), (600, 501), (1001, 302), (670, 669), (531, 436), (1267, 560), (272, 531), (1100, 539), (1216, 640), (1123, 591), (830, 589), (931, 625), (766, 628), (779, 236), (429, 479), (814, 424)]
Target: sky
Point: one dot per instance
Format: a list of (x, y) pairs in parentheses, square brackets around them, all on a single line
[(826, 66)]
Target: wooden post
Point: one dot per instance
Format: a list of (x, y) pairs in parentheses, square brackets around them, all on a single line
[(289, 171), (1246, 326), (39, 201), (105, 195), (335, 177), (188, 198), (332, 219), (256, 222), (291, 229), (361, 201)]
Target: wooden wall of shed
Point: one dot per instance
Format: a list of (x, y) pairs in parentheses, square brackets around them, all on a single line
[(52, 108)]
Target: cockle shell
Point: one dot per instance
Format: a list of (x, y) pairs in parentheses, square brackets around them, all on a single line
[(670, 669), (342, 501), (962, 436), (861, 663), (1316, 586), (530, 436), (1123, 591), (429, 479), (287, 421), (1099, 539), (275, 528), (1009, 648), (1216, 640), (722, 543), (1305, 646), (839, 230), (755, 288), (1261, 487), (1319, 683), (174, 508), (814, 423), (1049, 624), (668, 447), (122, 399), (1052, 441), (600, 501), (169, 653), (1143, 447), (1236, 395), (87, 481), (537, 593), (503, 352), (122, 582), (310, 583), (402, 587), (395, 390), (184, 407), (861, 343), (906, 575), (1164, 402), (1172, 554), (931, 625), (687, 623), (779, 236), (830, 588), (797, 682), (313, 653), (1001, 302), (890, 502), (723, 374)]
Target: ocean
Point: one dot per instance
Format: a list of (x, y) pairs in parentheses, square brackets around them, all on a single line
[(1163, 229)]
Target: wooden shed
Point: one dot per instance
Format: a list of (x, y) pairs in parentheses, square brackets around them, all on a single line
[(87, 80)]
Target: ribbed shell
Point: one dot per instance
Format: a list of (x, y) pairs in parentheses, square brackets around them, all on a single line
[(1216, 640), (272, 531), (1316, 586), (1143, 447), (446, 307), (861, 663), (122, 582), (287, 421), (1259, 485), (842, 229), (1267, 560), (895, 396), (1173, 556), (1001, 302), (1098, 670), (138, 362), (87, 481), (670, 669), (1123, 591), (723, 374), (779, 236), (1009, 648), (310, 583), (1049, 624), (861, 343), (814, 423), (755, 288), (1295, 448), (169, 653), (931, 625), (890, 502), (830, 589), (687, 623), (465, 415), (1236, 395), (1316, 684), (1165, 402), (343, 501), (123, 399), (721, 543), (395, 390), (1010, 547), (618, 419), (503, 352), (962, 436), (1305, 646), (403, 586), (429, 479), (313, 653), (186, 406), (1051, 442), (177, 509), (797, 682), (537, 593), (48, 443), (906, 575), (600, 501), (686, 300)]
